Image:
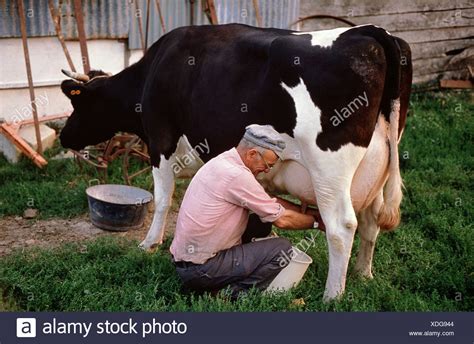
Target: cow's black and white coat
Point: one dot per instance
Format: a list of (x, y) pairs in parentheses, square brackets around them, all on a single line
[(207, 83)]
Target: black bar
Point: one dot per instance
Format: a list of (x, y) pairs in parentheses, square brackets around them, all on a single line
[(271, 328)]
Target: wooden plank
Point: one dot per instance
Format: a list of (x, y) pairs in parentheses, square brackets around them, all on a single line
[(455, 84), (352, 8), (320, 24), (463, 60), (437, 49), (24, 147), (432, 65), (433, 35), (411, 36), (420, 20), (421, 79), (408, 21), (454, 74), (443, 64), (48, 118)]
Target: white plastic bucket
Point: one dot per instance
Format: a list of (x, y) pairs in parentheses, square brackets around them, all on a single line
[(293, 273)]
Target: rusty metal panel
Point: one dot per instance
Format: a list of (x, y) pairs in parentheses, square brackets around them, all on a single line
[(102, 19)]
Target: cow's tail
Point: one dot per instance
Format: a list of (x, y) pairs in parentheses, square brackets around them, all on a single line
[(389, 213)]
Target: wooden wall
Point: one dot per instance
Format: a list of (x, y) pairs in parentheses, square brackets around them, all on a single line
[(440, 32)]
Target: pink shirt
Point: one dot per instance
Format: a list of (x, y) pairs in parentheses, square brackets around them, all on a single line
[(215, 209)]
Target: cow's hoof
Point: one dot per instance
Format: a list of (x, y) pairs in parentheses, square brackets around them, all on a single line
[(329, 297), (368, 275), (364, 273)]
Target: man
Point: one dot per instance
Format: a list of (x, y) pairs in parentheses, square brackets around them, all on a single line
[(211, 247)]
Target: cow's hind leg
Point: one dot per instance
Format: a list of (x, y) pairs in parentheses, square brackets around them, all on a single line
[(163, 179), (368, 231)]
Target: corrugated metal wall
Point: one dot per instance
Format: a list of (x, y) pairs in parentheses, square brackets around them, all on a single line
[(118, 18), (102, 19), (276, 13), (176, 13)]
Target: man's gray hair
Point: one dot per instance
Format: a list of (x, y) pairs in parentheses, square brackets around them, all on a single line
[(247, 144), (263, 136)]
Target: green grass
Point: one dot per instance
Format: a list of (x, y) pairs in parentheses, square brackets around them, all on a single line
[(427, 264)]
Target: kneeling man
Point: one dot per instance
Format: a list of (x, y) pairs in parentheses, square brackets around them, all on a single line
[(212, 247)]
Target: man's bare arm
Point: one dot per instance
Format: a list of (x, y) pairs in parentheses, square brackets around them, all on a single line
[(288, 205), (297, 208), (294, 220)]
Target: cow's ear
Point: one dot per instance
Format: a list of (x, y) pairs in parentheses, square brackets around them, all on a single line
[(73, 88)]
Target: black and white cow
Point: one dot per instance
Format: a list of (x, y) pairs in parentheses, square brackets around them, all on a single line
[(339, 97)]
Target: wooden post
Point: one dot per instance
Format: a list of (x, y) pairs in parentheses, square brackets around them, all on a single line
[(147, 25), (55, 15), (257, 13), (191, 12), (140, 29), (212, 12), (82, 35), (162, 21), (21, 13)]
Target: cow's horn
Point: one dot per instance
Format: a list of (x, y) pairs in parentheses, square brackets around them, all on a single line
[(76, 76)]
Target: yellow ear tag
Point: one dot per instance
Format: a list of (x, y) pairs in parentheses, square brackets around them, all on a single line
[(78, 92), (75, 92)]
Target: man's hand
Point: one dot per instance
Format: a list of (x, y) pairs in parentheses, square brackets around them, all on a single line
[(296, 208), (315, 213), (294, 220)]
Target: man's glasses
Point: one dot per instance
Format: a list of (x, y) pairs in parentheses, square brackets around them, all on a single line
[(266, 164)]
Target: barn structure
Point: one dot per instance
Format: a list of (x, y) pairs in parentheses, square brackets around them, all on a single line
[(440, 33)]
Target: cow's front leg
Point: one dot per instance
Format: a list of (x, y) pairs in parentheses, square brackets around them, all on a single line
[(163, 179), (368, 231)]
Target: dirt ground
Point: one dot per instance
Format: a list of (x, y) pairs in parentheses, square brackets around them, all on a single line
[(19, 233)]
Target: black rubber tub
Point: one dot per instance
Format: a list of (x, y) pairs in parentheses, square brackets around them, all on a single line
[(117, 207)]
